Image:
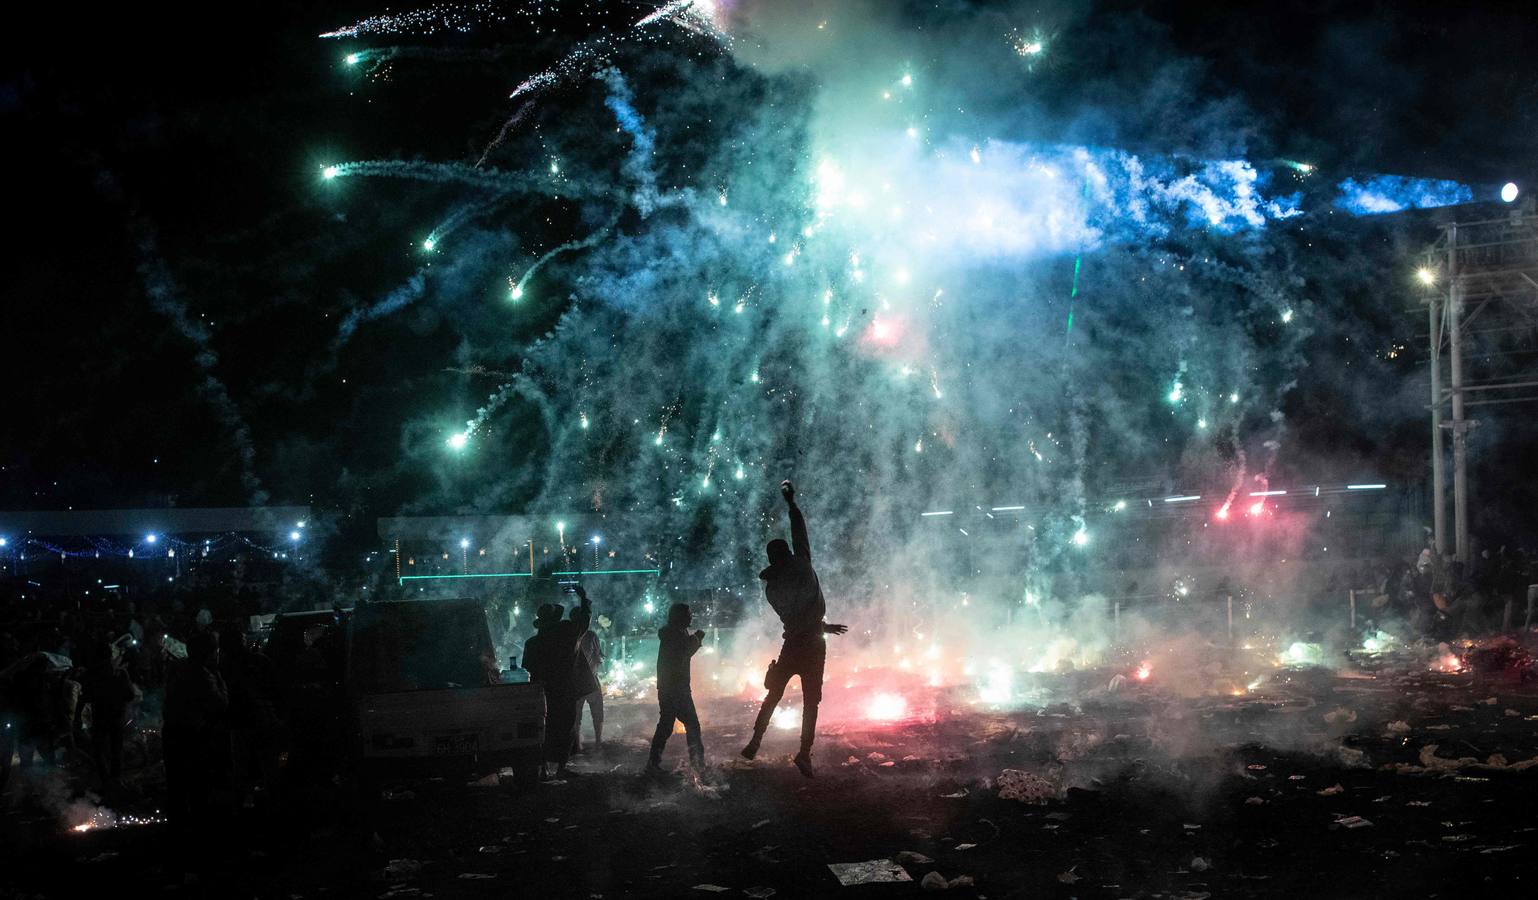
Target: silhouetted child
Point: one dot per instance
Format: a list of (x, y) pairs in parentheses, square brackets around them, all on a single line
[(677, 646)]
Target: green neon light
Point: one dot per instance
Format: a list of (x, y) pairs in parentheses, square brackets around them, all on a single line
[(491, 575), (406, 578), (1073, 294)]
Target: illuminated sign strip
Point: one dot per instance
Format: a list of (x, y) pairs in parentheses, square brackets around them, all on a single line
[(405, 578)]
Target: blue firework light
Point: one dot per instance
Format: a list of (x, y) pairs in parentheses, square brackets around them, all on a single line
[(801, 245)]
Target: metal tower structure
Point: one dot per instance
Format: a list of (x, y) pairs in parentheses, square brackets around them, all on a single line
[(1480, 287)]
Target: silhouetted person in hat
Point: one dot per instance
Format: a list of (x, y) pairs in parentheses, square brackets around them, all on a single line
[(551, 660), (792, 589), (675, 699)]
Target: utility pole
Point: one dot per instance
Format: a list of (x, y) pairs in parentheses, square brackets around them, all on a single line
[(1438, 455), (1460, 425)]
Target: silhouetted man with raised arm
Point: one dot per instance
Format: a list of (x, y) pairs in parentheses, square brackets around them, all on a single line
[(792, 589)]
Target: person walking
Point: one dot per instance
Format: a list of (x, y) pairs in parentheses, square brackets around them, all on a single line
[(675, 698), (793, 591)]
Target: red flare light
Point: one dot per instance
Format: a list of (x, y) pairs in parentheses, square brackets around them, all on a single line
[(1143, 671)]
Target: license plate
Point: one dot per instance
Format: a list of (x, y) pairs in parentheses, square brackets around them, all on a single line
[(456, 743)]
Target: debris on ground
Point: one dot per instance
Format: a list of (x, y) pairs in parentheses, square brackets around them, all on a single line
[(1340, 716), (711, 888), (875, 871), (1025, 787), (402, 868), (913, 858)]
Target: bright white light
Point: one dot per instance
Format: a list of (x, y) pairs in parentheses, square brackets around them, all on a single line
[(1080, 538), (1365, 487), (457, 441), (649, 606), (1509, 192), (150, 539), (907, 81), (1426, 276), (430, 244), (353, 59), (561, 527), (4, 542), (597, 540), (517, 293), (941, 512), (786, 718), (1183, 499), (293, 535), (1286, 316), (464, 543), (886, 707), (1120, 505), (330, 172)]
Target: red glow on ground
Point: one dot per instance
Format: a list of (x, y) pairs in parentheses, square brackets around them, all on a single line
[(886, 707), (1222, 513), (1258, 507), (1143, 671)]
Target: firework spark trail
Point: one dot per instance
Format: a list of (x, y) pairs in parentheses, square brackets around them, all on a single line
[(507, 129), (638, 164), (586, 55), (441, 17), (592, 240), (435, 172), (459, 217), (693, 15), (397, 299), (164, 296)]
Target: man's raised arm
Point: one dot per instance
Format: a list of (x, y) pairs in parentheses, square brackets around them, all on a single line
[(799, 542)]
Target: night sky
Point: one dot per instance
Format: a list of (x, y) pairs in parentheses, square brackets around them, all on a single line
[(179, 271)]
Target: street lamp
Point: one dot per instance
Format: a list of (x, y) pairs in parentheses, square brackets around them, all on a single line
[(1509, 191), (1426, 276)]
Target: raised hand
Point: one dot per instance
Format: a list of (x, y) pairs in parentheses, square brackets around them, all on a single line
[(835, 629), (787, 490)]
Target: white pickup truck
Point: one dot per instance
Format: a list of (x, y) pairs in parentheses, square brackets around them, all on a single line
[(423, 686)]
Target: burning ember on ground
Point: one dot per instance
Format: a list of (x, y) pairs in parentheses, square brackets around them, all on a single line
[(1144, 670), (101, 818), (1447, 662)]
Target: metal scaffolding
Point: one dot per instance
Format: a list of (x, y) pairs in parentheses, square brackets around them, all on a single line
[(1480, 284)]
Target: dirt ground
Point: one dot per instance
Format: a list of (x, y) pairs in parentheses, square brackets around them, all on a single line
[(1318, 785)]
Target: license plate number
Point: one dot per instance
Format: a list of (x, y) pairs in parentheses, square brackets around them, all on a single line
[(456, 743)]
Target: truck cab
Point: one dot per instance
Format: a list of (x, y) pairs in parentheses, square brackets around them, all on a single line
[(425, 692)]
